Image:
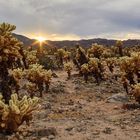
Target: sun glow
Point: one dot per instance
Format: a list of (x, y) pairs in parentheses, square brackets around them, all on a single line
[(40, 39)]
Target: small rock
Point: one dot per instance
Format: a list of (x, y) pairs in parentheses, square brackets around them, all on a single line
[(44, 138), (107, 130), (96, 132), (69, 128), (54, 75), (116, 107), (47, 132), (51, 137), (34, 138), (118, 98), (25, 134)]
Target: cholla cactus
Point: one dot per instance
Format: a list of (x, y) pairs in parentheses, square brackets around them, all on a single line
[(85, 71), (31, 88), (66, 56), (12, 115), (31, 57), (60, 54), (93, 64), (47, 78), (17, 73), (11, 54), (36, 74), (125, 83), (136, 61), (136, 92), (119, 45), (96, 50), (15, 76), (9, 45), (94, 68), (111, 63), (127, 66), (107, 53), (68, 68), (81, 56)]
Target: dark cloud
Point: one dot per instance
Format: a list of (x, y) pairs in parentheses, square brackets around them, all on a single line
[(83, 18)]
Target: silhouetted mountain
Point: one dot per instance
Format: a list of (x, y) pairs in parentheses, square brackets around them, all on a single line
[(85, 43)]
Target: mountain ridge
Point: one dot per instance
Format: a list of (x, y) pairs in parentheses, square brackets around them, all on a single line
[(83, 42)]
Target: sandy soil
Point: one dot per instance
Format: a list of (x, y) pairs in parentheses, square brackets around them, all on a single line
[(74, 110)]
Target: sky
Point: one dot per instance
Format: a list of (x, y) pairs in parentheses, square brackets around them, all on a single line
[(73, 19)]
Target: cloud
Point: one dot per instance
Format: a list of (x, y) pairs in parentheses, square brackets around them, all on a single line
[(77, 19)]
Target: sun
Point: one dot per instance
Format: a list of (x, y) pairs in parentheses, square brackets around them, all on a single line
[(40, 38)]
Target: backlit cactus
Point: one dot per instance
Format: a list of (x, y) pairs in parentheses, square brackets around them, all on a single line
[(31, 88), (9, 45), (94, 68), (67, 56), (60, 55), (11, 55), (31, 57), (15, 76), (81, 57), (136, 61), (85, 71), (96, 50), (127, 66), (68, 68), (125, 83), (12, 115), (36, 74), (47, 78), (111, 63), (119, 45), (136, 92)]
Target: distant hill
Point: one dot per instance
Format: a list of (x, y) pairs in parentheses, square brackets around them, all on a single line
[(85, 43)]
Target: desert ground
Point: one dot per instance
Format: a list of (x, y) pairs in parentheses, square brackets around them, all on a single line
[(75, 110)]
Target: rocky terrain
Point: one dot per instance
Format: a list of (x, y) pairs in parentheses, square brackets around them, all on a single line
[(75, 110)]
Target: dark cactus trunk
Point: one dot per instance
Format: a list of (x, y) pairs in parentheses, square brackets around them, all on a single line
[(69, 74), (125, 86), (120, 51), (86, 77), (5, 89)]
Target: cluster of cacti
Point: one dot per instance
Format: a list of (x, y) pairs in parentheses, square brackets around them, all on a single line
[(62, 55), (36, 74), (93, 67), (68, 68), (130, 66), (96, 50), (12, 115), (31, 57)]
